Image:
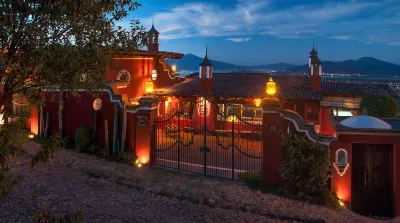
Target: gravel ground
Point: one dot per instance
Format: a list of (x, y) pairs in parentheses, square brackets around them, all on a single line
[(115, 192)]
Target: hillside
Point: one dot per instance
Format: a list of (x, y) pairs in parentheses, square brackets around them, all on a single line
[(365, 65), (191, 62)]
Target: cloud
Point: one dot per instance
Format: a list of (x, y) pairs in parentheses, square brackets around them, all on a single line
[(341, 37), (394, 43), (239, 40), (360, 20)]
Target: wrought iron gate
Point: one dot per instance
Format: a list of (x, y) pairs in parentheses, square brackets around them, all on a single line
[(208, 138)]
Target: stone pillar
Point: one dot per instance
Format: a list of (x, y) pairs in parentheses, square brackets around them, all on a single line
[(144, 120), (273, 128)]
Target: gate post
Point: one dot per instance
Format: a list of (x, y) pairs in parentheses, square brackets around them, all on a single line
[(273, 125), (144, 121)]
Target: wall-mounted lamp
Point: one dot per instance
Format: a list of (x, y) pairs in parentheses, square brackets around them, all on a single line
[(257, 102), (173, 68), (154, 75), (149, 86)]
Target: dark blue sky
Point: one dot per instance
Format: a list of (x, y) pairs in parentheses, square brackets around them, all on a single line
[(254, 32)]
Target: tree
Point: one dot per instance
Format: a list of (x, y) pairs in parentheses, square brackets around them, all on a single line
[(65, 44), (380, 106)]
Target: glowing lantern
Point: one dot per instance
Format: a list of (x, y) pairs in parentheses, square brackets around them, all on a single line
[(154, 75), (134, 103), (149, 86), (257, 102), (97, 103), (271, 87), (169, 100), (173, 68)]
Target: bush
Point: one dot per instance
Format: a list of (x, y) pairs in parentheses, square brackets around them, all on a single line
[(69, 142), (83, 138), (380, 106), (305, 166)]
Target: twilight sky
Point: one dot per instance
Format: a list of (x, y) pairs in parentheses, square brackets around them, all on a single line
[(255, 32)]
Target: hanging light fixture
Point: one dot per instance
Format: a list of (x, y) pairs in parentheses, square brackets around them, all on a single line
[(149, 86), (257, 102), (169, 100), (271, 87), (154, 75), (173, 68)]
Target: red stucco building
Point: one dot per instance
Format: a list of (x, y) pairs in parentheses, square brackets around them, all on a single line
[(146, 96)]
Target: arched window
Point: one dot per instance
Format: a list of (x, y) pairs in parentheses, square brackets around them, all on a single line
[(124, 75)]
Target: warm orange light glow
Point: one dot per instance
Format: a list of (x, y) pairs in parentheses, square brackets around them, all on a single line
[(341, 203), (149, 86), (271, 87), (134, 58), (31, 136), (134, 103), (5, 50), (173, 68), (139, 165), (169, 99), (257, 102)]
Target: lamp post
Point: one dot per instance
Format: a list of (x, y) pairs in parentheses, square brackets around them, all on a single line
[(270, 101), (272, 130)]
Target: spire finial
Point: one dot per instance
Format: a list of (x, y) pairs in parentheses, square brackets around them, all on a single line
[(152, 21), (313, 44), (206, 50)]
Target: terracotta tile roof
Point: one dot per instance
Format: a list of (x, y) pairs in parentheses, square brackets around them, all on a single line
[(252, 85), (245, 85), (357, 89)]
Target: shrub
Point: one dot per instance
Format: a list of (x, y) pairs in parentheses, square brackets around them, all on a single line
[(306, 166), (69, 142), (83, 138), (380, 106)]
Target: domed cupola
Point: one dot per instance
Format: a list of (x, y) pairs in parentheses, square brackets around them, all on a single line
[(365, 122)]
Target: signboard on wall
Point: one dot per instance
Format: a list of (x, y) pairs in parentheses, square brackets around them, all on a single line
[(143, 120)]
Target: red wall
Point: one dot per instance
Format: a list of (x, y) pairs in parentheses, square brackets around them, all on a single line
[(312, 107), (140, 69), (341, 185), (79, 111), (396, 179), (325, 124)]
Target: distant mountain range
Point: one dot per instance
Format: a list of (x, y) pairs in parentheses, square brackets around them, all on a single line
[(365, 65)]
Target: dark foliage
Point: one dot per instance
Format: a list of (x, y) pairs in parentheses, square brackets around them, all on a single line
[(305, 166), (83, 137), (380, 106), (69, 142)]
